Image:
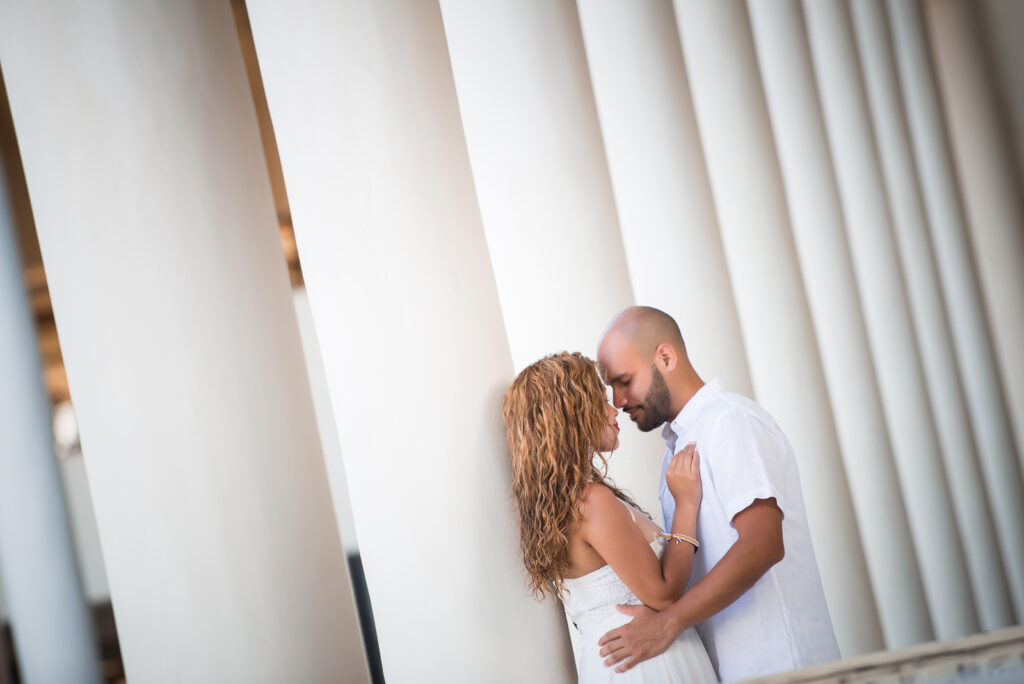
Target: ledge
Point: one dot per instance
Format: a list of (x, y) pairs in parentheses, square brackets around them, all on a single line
[(990, 658)]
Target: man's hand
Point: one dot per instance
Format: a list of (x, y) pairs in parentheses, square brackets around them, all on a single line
[(644, 637)]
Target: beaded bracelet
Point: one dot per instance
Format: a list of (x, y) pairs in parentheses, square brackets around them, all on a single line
[(680, 538)]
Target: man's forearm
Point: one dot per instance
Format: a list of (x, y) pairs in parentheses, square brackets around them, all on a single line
[(738, 570)]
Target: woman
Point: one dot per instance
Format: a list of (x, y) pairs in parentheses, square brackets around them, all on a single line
[(583, 539)]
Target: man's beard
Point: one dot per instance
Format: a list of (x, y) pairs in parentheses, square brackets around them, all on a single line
[(657, 403)]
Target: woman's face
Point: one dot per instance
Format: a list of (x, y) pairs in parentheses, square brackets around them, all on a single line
[(610, 433)]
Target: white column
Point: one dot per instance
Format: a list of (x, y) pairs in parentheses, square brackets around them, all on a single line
[(995, 217), (989, 183), (327, 429), (156, 224), (818, 228), (545, 194), (784, 362), (888, 315), (666, 212), (929, 314), (84, 533), (407, 315), (1002, 20), (50, 620)]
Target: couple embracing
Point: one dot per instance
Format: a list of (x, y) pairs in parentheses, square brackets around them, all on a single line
[(729, 588)]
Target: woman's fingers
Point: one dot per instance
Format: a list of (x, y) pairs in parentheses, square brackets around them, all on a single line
[(683, 460)]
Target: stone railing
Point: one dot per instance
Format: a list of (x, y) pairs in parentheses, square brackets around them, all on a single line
[(990, 658)]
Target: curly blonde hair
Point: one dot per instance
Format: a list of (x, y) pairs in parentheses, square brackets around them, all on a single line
[(554, 416)]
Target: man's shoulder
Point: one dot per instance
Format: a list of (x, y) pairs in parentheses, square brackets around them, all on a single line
[(730, 405), (732, 414), (738, 401)]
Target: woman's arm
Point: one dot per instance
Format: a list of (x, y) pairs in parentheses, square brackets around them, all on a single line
[(608, 527)]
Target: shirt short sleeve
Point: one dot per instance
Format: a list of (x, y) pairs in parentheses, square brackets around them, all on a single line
[(747, 461)]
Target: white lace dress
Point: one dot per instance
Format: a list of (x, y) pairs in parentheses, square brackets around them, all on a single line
[(590, 603)]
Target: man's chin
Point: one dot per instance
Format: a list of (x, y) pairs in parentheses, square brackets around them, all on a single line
[(640, 420), (643, 424)]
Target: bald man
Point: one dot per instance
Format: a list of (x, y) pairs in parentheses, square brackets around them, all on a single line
[(754, 594)]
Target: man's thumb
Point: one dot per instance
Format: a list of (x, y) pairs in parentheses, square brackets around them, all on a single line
[(629, 610)]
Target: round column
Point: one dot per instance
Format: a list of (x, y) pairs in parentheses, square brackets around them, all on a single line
[(888, 316), (784, 362), (813, 198), (328, 431), (545, 193), (666, 213), (1001, 20), (408, 319), (995, 218), (929, 314), (164, 262), (50, 620), (989, 182)]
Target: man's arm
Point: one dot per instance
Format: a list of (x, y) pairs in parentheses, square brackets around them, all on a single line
[(759, 547)]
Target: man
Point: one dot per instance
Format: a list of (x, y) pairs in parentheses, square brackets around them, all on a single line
[(755, 594)]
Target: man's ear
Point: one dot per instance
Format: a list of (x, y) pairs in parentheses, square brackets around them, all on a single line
[(666, 357)]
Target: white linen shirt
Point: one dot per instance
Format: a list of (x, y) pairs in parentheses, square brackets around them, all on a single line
[(782, 622)]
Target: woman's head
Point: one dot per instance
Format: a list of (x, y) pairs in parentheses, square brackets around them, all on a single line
[(557, 420), (557, 408)]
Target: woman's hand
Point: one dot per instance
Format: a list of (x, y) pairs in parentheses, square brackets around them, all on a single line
[(683, 476)]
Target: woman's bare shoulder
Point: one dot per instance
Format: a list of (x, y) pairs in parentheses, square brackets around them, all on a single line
[(599, 500)]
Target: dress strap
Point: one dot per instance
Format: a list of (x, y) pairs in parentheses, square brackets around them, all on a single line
[(632, 512)]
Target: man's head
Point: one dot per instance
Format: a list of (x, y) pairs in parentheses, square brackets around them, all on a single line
[(643, 359)]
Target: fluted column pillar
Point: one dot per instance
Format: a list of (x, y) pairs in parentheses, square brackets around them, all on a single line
[(164, 264), (408, 319), (888, 316), (50, 620), (666, 211), (988, 180), (1001, 21), (545, 194), (326, 428), (989, 183), (813, 198), (784, 362), (929, 314)]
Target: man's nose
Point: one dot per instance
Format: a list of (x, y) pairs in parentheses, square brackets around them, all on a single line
[(618, 401)]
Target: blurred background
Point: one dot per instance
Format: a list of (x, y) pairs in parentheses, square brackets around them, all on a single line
[(268, 269)]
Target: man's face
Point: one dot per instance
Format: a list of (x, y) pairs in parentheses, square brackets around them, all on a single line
[(638, 388)]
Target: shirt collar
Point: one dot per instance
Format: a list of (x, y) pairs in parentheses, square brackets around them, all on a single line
[(688, 415)]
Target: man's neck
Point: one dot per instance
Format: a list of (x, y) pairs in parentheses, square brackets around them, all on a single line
[(682, 395)]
